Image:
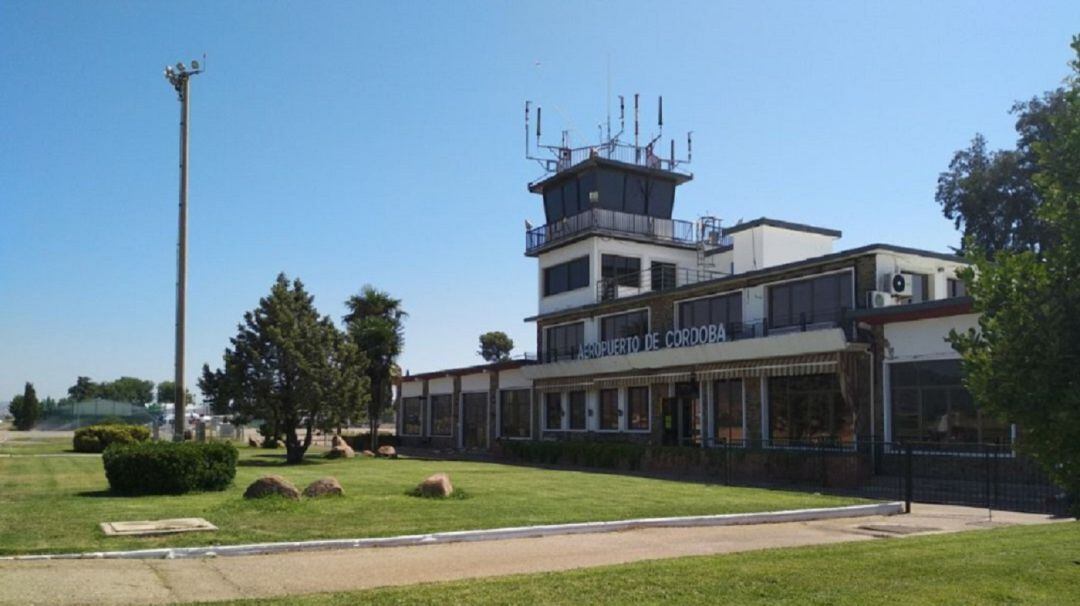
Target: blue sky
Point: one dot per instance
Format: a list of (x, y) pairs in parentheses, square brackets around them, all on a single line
[(353, 143)]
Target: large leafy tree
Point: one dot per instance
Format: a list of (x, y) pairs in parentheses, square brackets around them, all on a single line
[(376, 325), (289, 367), (495, 346), (1021, 362), (83, 389), (25, 409), (166, 393), (991, 194)]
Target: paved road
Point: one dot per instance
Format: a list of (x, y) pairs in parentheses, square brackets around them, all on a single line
[(170, 581)]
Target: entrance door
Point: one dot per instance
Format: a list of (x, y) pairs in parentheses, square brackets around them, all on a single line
[(682, 426), (474, 420)]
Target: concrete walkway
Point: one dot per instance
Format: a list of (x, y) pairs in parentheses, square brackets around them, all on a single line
[(171, 581)]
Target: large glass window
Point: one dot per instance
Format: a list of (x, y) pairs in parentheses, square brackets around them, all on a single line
[(441, 415), (811, 301), (553, 411), (637, 408), (412, 412), (609, 409), (577, 410), (564, 342), (957, 288), (920, 288), (514, 419), (722, 309), (566, 276), (631, 324), (623, 271), (664, 275), (808, 410), (728, 412), (931, 405)]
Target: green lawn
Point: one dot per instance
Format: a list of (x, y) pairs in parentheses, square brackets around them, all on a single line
[(1019, 565), (54, 504), (17, 445)]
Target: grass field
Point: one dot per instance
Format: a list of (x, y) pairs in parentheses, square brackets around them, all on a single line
[(1019, 565), (16, 445), (55, 503)]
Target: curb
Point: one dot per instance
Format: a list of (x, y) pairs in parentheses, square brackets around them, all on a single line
[(493, 534)]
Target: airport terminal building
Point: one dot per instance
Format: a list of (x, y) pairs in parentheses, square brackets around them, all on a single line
[(666, 332)]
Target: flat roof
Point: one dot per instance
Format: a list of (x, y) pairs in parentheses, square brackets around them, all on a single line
[(811, 229), (765, 271), (467, 370), (938, 308)]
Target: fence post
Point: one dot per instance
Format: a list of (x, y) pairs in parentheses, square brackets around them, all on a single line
[(986, 470), (909, 488)]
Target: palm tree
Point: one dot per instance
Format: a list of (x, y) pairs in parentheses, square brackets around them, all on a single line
[(375, 323)]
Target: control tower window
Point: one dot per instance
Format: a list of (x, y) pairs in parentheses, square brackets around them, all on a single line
[(566, 276)]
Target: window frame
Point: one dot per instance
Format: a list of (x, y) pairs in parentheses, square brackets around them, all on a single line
[(405, 412), (569, 402), (546, 272), (499, 413), (648, 409), (600, 410), (449, 398), (744, 428), (677, 309), (600, 321), (562, 412), (850, 271), (547, 340), (620, 276)]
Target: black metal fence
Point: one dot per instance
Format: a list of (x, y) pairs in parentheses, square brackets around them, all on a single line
[(991, 476)]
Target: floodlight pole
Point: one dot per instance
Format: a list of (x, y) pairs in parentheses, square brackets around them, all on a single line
[(180, 81)]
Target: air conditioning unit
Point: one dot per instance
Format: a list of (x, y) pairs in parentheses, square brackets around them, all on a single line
[(899, 284), (879, 298)]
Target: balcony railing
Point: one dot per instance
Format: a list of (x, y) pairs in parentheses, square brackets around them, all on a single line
[(659, 277), (612, 221)]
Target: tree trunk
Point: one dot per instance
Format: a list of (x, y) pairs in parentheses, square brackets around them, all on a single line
[(294, 449)]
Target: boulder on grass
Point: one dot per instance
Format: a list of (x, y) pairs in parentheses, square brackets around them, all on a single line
[(324, 487), (271, 485), (342, 451), (388, 452), (437, 485), (337, 441), (367, 453)]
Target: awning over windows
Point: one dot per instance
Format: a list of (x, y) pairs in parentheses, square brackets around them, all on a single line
[(566, 384), (641, 380), (811, 364)]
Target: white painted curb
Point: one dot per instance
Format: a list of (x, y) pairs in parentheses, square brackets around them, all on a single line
[(493, 534)]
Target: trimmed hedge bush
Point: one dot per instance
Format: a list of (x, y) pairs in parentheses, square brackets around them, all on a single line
[(169, 467), (96, 438)]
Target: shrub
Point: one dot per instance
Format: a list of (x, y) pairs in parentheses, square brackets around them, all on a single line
[(362, 441), (96, 438), (169, 467)]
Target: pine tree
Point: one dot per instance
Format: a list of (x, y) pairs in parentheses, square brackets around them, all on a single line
[(25, 409), (375, 324), (289, 367)]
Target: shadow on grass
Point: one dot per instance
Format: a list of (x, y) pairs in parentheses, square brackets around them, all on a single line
[(277, 461)]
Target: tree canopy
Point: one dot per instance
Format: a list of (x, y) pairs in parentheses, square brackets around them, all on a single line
[(1021, 362), (125, 389), (991, 195), (375, 325), (166, 393), (495, 346), (289, 367)]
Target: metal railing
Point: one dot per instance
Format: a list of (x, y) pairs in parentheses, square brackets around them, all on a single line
[(612, 221), (641, 155), (654, 279)]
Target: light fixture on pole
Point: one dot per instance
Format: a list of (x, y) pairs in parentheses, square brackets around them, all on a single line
[(179, 78)]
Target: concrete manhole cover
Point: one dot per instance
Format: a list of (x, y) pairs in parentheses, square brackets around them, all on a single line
[(152, 527), (897, 529)]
